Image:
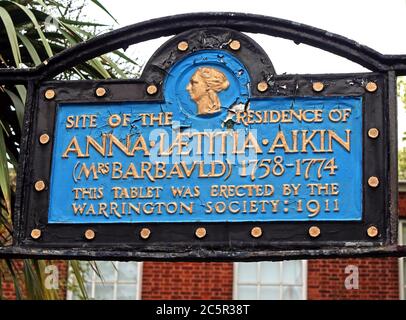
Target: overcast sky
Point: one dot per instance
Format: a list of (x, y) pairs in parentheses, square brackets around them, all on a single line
[(378, 24)]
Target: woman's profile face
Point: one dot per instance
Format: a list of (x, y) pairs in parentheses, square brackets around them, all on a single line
[(197, 88)]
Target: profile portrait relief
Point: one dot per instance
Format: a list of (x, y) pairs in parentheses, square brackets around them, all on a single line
[(204, 86)]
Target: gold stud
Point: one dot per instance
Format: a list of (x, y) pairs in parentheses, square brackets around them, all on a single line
[(265, 141), (262, 86), (373, 133), (372, 231), (50, 94), (152, 89), (200, 232), (35, 233), (39, 185), (256, 232), (371, 86), (373, 182), (90, 234), (318, 86), (100, 92), (314, 231), (145, 233), (183, 46), (44, 138), (235, 45)]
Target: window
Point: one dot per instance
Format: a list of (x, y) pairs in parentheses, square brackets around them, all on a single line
[(118, 281), (270, 280), (402, 261)]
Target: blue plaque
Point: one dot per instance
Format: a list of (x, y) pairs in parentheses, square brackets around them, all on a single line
[(208, 153)]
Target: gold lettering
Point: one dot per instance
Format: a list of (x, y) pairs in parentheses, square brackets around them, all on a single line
[(176, 171), (117, 168), (78, 208), (345, 144), (251, 142), (131, 172), (102, 209), (70, 122), (179, 143), (234, 210), (282, 144), (145, 169), (308, 140), (99, 148), (114, 140), (84, 170), (220, 207), (140, 145), (73, 146), (113, 209)]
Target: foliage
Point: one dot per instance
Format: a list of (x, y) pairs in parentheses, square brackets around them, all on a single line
[(401, 89), (402, 164), (30, 33)]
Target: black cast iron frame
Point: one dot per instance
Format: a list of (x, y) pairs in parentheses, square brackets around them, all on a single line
[(177, 242)]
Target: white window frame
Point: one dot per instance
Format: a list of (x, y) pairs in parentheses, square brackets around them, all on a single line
[(69, 294), (402, 284), (258, 284)]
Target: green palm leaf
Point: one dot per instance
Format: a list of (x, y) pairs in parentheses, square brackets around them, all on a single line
[(4, 174), (37, 27), (11, 269), (75, 265), (30, 48), (24, 40), (18, 105), (12, 35), (97, 3)]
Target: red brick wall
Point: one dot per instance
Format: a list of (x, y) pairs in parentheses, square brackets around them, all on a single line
[(63, 269), (7, 285), (8, 290), (378, 279), (187, 280)]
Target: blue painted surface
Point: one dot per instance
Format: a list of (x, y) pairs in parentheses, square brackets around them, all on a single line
[(348, 175)]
